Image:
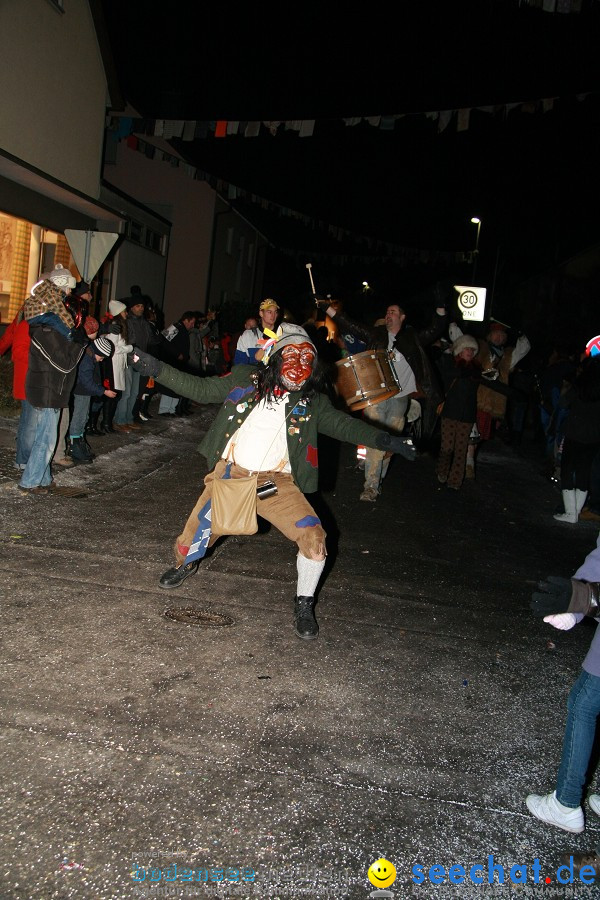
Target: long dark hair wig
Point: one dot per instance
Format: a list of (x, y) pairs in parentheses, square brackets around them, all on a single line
[(269, 377)]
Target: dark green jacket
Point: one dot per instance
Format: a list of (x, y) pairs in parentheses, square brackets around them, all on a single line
[(237, 392)]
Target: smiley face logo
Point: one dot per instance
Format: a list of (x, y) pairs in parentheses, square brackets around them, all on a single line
[(381, 873)]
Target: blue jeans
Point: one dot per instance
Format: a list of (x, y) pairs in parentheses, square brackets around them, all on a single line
[(167, 404), (25, 434), (391, 414), (124, 411), (37, 471), (79, 417), (583, 708)]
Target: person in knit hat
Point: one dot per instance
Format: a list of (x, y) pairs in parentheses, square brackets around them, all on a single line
[(46, 302), (88, 385), (62, 454), (91, 326), (113, 369), (115, 308), (497, 361), (268, 424), (461, 377), (55, 350), (139, 334)]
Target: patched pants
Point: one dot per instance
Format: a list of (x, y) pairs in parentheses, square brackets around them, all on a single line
[(288, 510), (453, 451)]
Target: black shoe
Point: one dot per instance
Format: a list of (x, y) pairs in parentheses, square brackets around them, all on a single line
[(80, 452), (172, 578), (304, 618)]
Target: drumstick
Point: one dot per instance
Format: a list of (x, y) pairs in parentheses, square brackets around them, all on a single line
[(312, 284)]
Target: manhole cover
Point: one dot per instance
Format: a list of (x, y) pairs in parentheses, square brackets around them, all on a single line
[(189, 615)]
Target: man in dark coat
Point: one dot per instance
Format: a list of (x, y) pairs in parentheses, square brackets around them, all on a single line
[(175, 350), (54, 353)]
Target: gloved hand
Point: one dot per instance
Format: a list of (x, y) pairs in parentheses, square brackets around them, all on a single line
[(394, 444), (562, 621), (144, 363), (553, 597)]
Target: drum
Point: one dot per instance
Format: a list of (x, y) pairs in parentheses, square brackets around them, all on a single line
[(366, 379)]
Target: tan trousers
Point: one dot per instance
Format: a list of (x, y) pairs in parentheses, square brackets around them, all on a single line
[(288, 510)]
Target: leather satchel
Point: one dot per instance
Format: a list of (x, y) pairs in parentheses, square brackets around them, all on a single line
[(233, 507)]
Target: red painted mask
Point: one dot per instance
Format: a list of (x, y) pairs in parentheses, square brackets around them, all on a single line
[(297, 365)]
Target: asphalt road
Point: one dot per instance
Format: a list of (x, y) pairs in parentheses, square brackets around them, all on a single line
[(257, 764)]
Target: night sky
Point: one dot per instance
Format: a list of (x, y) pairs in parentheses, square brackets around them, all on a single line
[(532, 177)]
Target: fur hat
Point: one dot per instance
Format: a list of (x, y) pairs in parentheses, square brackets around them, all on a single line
[(91, 325), (115, 307), (269, 304), (464, 342), (103, 347)]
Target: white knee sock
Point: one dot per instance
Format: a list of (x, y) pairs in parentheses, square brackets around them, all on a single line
[(309, 572)]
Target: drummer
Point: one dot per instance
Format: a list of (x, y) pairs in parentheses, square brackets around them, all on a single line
[(350, 341), (413, 372)]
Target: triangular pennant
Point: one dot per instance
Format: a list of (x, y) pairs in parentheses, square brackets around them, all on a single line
[(307, 128), (189, 131), (462, 121)]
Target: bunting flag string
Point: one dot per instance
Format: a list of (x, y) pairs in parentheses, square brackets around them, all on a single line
[(370, 249), (192, 130), (132, 130)]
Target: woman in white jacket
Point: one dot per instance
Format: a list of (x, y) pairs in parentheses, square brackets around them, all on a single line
[(115, 370)]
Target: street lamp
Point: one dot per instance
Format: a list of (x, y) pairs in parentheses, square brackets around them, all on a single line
[(476, 221)]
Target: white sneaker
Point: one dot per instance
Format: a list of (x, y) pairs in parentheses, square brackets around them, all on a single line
[(594, 803), (549, 810)]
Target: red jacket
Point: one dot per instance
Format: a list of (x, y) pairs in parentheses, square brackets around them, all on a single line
[(17, 337)]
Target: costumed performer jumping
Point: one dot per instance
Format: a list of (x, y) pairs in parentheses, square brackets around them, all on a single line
[(268, 424)]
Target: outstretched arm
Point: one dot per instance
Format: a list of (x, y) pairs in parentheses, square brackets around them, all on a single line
[(194, 387), (343, 427)]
